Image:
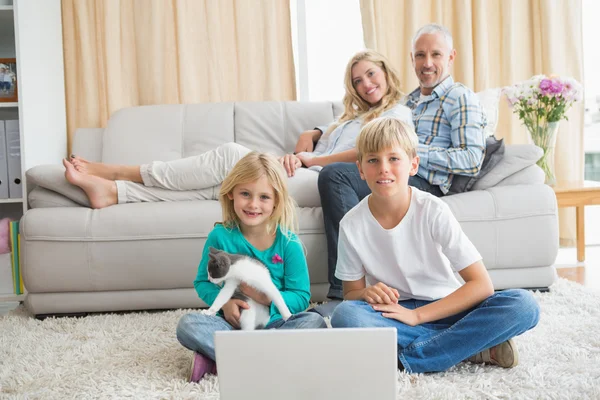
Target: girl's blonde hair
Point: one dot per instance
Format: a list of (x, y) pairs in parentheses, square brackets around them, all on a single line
[(354, 105), (386, 132), (249, 169)]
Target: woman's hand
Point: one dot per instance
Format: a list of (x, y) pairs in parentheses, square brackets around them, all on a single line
[(306, 141), (232, 310), (399, 313), (380, 293), (291, 163), (255, 295), (307, 161)]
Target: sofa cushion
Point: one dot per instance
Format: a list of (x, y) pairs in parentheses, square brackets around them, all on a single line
[(494, 151), (274, 126), (490, 100), (516, 158), (52, 177), (139, 135), (40, 197)]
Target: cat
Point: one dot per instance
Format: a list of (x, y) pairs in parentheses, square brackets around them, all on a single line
[(234, 269)]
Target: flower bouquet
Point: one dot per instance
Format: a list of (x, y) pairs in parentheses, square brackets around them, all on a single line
[(541, 102)]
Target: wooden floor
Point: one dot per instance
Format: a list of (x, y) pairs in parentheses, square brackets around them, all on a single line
[(586, 273)]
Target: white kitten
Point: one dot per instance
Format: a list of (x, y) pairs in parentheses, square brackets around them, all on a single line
[(234, 269)]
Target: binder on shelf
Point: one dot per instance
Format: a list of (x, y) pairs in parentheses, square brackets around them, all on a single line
[(13, 152), (3, 163)]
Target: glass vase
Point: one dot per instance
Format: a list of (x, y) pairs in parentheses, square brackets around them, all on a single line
[(544, 137)]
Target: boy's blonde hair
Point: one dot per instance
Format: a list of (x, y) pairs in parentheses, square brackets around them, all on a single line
[(384, 133), (249, 169), (354, 105)]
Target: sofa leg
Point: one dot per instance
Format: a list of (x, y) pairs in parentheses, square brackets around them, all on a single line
[(42, 317)]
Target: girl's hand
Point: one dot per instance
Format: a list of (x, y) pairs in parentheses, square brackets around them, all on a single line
[(305, 142), (380, 293), (399, 313), (232, 310), (255, 295), (290, 162)]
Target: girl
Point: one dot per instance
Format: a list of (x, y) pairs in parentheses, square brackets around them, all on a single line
[(372, 90), (258, 221)]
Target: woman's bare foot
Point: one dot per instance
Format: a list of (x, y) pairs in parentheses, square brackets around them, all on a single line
[(106, 171), (101, 192)]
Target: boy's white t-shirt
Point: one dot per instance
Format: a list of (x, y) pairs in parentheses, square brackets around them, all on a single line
[(418, 257)]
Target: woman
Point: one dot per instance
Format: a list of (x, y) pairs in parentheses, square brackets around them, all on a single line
[(372, 90)]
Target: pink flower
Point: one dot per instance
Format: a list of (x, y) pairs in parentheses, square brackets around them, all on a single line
[(277, 259)]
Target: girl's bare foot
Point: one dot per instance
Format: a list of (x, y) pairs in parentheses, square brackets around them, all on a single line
[(101, 192), (106, 171)]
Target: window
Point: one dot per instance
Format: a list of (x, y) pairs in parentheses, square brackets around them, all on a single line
[(325, 34), (591, 85)]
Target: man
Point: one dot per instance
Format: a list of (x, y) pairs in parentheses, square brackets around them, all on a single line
[(449, 122)]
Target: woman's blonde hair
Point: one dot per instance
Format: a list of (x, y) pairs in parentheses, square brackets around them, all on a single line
[(386, 132), (249, 169), (354, 105)]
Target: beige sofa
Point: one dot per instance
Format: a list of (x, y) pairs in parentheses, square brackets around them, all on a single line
[(145, 255)]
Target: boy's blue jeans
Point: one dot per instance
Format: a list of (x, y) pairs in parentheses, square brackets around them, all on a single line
[(197, 331), (340, 189), (437, 346)]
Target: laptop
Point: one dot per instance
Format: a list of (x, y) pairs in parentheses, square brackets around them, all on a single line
[(291, 364)]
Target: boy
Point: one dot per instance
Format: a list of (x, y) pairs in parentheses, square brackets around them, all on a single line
[(398, 251)]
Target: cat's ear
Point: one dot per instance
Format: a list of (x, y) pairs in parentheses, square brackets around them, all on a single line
[(212, 256)]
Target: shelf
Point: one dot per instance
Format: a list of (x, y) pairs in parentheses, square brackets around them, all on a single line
[(5, 201), (12, 297), (7, 8), (9, 105)]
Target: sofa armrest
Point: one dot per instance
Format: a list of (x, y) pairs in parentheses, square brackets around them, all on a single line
[(87, 143)]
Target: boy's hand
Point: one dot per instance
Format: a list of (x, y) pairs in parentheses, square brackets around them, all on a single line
[(232, 310), (380, 293), (255, 295), (399, 313)]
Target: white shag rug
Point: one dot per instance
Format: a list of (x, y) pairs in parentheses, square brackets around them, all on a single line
[(136, 355)]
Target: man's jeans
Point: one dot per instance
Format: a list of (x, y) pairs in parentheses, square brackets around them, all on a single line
[(340, 189), (439, 345), (197, 331)]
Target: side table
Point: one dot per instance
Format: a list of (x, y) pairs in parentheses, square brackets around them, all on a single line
[(578, 194)]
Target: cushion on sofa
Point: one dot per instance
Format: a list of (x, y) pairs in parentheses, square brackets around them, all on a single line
[(489, 100), (516, 158), (494, 151), (41, 197), (52, 177)]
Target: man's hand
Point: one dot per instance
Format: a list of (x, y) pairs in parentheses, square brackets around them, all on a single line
[(291, 163), (399, 313), (380, 293), (232, 310), (255, 295), (305, 142)]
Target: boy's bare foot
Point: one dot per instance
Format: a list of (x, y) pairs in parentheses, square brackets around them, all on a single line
[(101, 192), (106, 171)]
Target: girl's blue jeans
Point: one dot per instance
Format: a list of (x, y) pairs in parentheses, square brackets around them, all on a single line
[(438, 345), (197, 331)]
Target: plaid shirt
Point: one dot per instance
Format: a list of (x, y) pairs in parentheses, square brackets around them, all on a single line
[(450, 130)]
